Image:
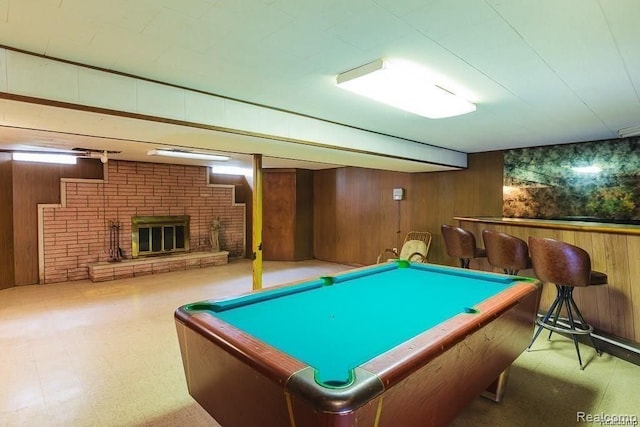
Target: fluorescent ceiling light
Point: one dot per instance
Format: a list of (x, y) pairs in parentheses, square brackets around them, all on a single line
[(231, 170), (587, 169), (630, 131), (187, 155), (61, 159), (396, 86)]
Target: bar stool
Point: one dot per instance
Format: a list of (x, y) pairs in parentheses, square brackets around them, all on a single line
[(567, 267), (461, 244), (505, 251)]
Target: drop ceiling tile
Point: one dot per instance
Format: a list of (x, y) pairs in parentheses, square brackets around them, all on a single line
[(126, 14), (121, 50), (442, 18), (4, 10), (370, 28), (580, 34), (191, 8), (176, 30), (401, 8), (241, 22), (622, 20), (295, 40), (322, 15), (17, 34)]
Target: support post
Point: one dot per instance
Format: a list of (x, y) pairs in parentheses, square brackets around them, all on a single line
[(257, 221)]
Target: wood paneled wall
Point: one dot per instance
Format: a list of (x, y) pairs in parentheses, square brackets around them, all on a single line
[(287, 233), (242, 189), (304, 215), (442, 196), (35, 183), (613, 308), (7, 274), (355, 217)]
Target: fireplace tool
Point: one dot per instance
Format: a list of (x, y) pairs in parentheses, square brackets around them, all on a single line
[(115, 252)]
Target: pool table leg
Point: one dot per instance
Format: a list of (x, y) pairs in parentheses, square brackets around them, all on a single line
[(497, 388)]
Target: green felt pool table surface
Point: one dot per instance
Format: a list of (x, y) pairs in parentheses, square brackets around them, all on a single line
[(392, 344), (363, 313)]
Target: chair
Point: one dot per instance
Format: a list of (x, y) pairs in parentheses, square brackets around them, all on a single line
[(507, 252), (415, 248), (567, 267), (461, 244)]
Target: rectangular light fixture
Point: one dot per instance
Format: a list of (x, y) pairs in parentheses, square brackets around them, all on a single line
[(231, 170), (396, 86), (60, 159), (187, 155), (630, 131)]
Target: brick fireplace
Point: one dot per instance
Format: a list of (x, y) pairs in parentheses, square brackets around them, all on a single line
[(75, 233)]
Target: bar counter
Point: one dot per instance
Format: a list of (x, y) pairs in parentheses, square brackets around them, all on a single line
[(613, 309), (589, 226)]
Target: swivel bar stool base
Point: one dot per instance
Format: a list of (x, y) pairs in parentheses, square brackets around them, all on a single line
[(574, 324), (567, 267)]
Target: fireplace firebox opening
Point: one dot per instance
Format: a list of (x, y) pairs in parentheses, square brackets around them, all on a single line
[(159, 235)]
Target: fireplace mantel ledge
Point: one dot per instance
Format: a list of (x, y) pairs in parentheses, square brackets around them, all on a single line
[(104, 270)]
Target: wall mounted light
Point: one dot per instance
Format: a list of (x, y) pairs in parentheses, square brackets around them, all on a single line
[(587, 169), (183, 154), (401, 88), (61, 159)]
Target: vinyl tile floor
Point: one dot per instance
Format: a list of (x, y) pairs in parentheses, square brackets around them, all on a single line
[(106, 354)]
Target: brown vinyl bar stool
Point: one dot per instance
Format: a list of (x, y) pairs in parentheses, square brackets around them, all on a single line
[(461, 244), (505, 251), (567, 267)]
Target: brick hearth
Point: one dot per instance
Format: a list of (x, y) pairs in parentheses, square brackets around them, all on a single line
[(104, 271)]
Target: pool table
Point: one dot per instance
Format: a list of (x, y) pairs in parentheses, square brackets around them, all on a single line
[(395, 344)]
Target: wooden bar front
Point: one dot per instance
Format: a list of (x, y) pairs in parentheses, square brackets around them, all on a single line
[(614, 249)]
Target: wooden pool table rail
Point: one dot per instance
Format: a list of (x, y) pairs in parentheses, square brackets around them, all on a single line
[(243, 381)]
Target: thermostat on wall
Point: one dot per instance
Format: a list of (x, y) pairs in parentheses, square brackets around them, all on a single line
[(398, 194)]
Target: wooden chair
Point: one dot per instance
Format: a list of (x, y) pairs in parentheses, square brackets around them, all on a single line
[(415, 248), (567, 267), (505, 251), (461, 244)]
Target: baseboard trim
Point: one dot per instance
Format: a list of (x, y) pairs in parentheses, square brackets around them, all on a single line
[(618, 347), (615, 346)]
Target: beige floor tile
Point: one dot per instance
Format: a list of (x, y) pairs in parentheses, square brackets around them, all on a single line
[(106, 354)]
